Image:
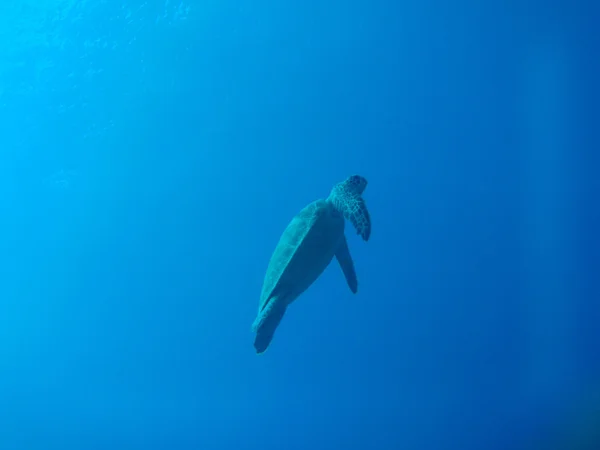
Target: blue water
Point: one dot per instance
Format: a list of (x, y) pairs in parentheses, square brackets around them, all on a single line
[(152, 153)]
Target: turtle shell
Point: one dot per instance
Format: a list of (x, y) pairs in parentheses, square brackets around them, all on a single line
[(305, 249)]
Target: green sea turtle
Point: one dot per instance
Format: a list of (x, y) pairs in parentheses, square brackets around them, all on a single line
[(306, 248)]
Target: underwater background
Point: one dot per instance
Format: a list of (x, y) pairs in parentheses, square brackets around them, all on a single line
[(152, 153)]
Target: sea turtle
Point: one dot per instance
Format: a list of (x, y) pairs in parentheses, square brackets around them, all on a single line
[(306, 248)]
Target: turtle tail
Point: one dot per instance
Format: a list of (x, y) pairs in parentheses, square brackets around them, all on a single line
[(347, 198), (266, 325)]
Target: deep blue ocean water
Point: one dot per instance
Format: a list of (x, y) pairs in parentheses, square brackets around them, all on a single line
[(152, 153)]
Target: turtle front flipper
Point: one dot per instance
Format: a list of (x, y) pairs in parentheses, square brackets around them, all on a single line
[(358, 214), (343, 257), (347, 198)]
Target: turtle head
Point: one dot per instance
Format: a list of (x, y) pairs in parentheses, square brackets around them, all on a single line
[(346, 197)]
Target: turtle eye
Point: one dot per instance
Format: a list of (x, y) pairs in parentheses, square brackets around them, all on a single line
[(354, 179)]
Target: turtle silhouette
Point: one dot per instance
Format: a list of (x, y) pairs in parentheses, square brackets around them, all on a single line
[(306, 247)]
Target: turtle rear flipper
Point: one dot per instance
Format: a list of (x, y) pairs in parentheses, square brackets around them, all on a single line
[(266, 331)]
